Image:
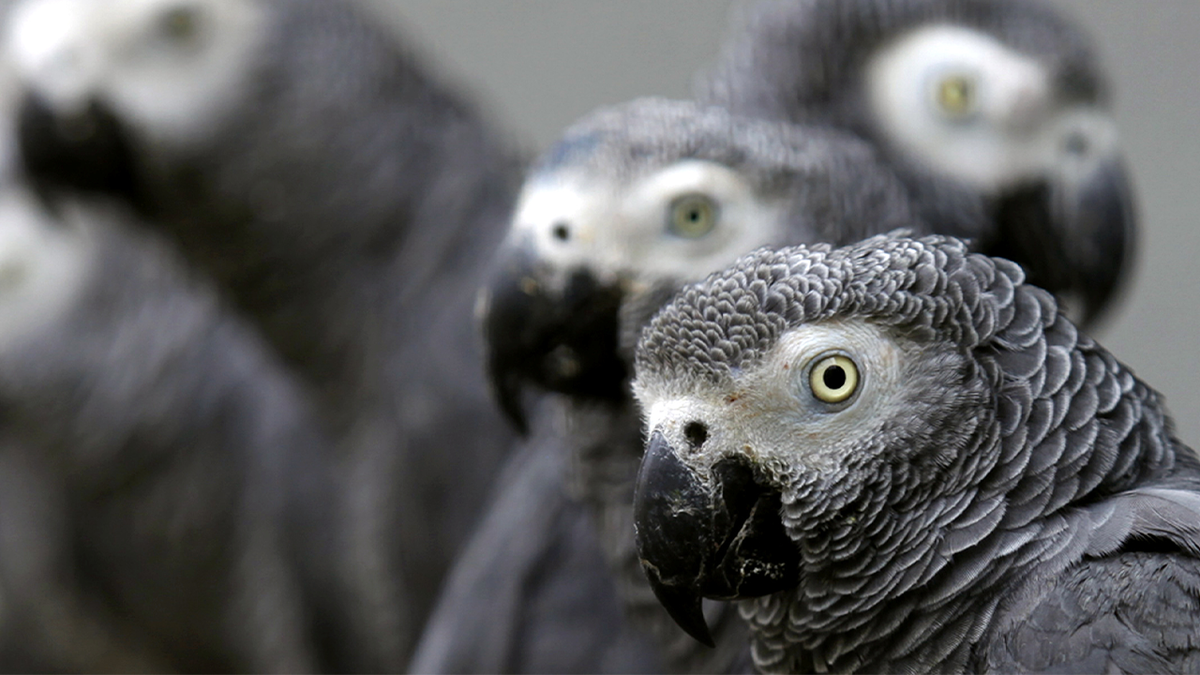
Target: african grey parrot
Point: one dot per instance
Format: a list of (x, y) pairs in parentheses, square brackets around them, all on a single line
[(904, 459), (635, 201), (169, 493), (994, 112), (343, 197)]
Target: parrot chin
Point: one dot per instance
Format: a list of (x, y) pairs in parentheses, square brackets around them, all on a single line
[(1077, 236), (725, 541), (86, 151), (563, 342)]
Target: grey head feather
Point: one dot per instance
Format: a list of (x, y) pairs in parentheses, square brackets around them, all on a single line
[(811, 166), (1025, 451), (728, 322)]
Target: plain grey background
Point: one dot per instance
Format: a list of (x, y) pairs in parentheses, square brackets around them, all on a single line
[(538, 65)]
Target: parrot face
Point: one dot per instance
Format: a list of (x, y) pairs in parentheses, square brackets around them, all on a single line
[(582, 247), (755, 448), (966, 107), (829, 384), (640, 199), (44, 265), (666, 223), (105, 82), (994, 113), (167, 67)]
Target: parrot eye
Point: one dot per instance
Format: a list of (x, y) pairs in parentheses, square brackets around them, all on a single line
[(833, 379), (692, 216), (180, 24), (955, 96)]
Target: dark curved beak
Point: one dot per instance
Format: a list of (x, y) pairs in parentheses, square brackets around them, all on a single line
[(1075, 235), (562, 340), (723, 540), (1099, 216), (87, 151)]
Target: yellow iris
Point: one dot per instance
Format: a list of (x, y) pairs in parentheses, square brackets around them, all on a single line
[(956, 95), (833, 379), (692, 216)]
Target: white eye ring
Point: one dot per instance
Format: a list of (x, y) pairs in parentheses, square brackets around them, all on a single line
[(833, 378), (692, 216)]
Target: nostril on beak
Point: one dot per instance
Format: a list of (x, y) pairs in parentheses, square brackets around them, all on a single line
[(695, 433), (561, 230)]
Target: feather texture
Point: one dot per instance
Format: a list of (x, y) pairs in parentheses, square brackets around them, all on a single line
[(1027, 546)]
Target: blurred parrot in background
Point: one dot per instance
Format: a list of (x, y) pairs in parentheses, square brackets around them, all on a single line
[(341, 197), (995, 113)]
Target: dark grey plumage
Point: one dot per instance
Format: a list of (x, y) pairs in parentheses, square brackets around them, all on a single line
[(179, 486), (1067, 216), (531, 593), (1000, 494), (772, 183), (49, 621), (348, 201)]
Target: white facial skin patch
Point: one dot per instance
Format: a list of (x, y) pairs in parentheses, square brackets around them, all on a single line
[(47, 42), (967, 106), (44, 266), (680, 222), (169, 66), (771, 413)]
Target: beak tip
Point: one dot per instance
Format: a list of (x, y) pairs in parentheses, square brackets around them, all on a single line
[(516, 416), (684, 606), (508, 397)]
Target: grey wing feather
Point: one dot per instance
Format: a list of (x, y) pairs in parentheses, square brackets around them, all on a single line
[(1132, 604), (1135, 612)]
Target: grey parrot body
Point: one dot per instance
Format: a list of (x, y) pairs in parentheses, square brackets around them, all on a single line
[(348, 202), (179, 487), (52, 622), (532, 592), (993, 112), (989, 490), (564, 312)]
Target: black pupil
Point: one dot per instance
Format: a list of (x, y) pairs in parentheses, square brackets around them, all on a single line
[(694, 215), (696, 433), (561, 231), (834, 377)]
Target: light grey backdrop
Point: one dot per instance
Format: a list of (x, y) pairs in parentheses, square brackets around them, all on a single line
[(540, 64)]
